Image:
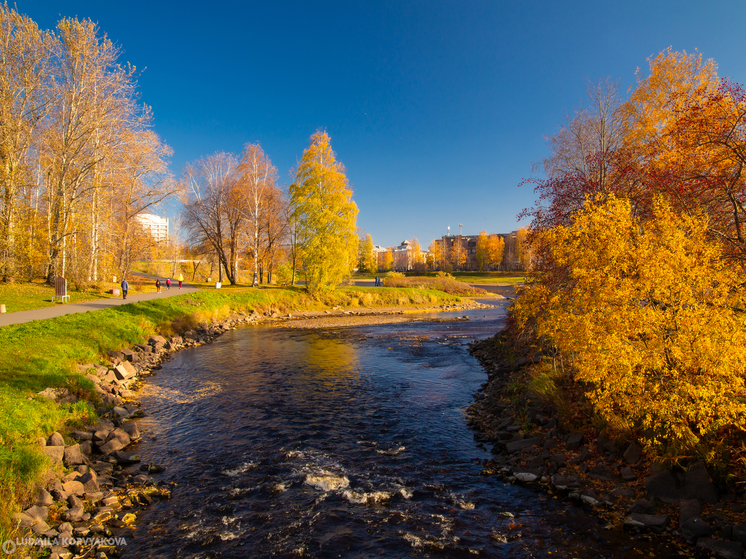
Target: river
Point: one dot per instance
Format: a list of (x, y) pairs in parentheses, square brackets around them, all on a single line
[(339, 443)]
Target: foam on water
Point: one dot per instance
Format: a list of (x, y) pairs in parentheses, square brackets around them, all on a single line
[(327, 481)]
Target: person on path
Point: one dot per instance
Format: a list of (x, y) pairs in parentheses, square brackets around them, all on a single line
[(125, 288), (158, 285), (181, 280), (168, 284)]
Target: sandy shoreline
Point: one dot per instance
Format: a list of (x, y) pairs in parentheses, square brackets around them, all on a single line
[(339, 318)]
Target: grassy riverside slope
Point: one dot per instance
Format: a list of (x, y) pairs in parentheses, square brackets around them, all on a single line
[(44, 354)]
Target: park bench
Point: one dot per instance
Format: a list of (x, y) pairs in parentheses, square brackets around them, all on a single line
[(60, 290)]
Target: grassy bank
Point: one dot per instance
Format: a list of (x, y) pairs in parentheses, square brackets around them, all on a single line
[(42, 354)]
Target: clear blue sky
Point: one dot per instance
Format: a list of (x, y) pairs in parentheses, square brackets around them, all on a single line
[(438, 109)]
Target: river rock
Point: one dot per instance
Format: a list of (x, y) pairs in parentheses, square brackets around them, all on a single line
[(157, 342), (125, 370), (606, 445), (43, 498), (628, 474), (603, 473), (695, 528), (526, 477), (73, 456), (116, 356), (130, 355), (721, 548), (56, 453), (688, 509), (698, 485), (522, 444), (127, 457), (75, 514), (573, 441), (37, 513), (89, 481), (662, 486), (117, 440), (86, 447), (56, 490), (121, 412), (55, 439), (633, 453), (82, 435), (102, 514), (642, 522), (39, 528), (643, 506), (73, 487), (130, 427)]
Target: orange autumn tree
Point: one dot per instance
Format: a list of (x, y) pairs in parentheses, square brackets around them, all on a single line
[(649, 316)]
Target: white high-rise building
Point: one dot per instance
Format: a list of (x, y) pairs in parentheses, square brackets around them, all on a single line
[(155, 225)]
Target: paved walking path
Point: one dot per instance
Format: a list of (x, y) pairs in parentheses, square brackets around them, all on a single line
[(71, 308)]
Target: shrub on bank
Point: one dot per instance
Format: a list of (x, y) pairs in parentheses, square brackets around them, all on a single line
[(445, 283), (646, 317)]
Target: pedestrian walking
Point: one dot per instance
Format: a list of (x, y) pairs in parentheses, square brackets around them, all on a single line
[(181, 280), (168, 284), (158, 285), (125, 288)]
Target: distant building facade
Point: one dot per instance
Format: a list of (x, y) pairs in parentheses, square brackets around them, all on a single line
[(402, 257), (155, 225), (464, 247)]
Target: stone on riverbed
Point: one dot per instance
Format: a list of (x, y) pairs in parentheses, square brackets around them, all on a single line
[(642, 522), (117, 440), (516, 446), (722, 549)]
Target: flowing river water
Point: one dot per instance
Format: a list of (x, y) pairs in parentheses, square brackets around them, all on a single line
[(338, 443)]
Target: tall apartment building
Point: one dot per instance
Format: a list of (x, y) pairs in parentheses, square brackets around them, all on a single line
[(155, 225)]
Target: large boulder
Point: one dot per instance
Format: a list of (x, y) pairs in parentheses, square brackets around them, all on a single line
[(633, 453), (695, 528), (125, 370), (117, 440), (73, 456), (662, 486), (698, 485), (56, 453)]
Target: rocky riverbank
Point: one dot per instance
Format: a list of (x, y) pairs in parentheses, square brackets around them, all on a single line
[(101, 483), (681, 511)]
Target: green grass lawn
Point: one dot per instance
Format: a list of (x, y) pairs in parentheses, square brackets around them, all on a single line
[(45, 353)]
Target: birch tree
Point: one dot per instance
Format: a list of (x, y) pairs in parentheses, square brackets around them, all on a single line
[(94, 102), (213, 211), (24, 102), (324, 216), (257, 178)]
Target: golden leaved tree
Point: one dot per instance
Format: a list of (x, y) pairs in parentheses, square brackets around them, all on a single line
[(650, 317), (324, 215), (367, 260), (495, 250)]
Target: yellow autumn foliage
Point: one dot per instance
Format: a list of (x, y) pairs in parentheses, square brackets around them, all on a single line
[(649, 315)]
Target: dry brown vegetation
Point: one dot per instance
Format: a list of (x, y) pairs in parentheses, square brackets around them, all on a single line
[(444, 284)]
